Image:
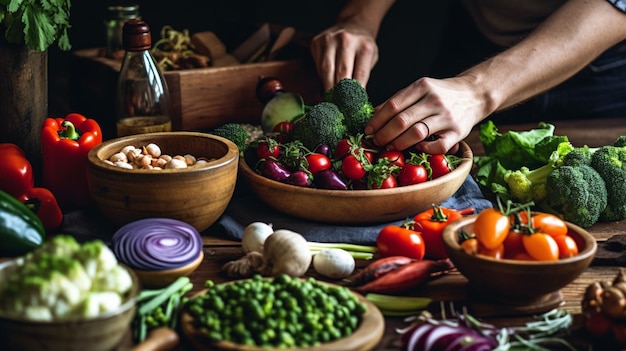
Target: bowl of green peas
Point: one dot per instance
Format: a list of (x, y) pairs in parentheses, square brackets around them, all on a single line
[(280, 312)]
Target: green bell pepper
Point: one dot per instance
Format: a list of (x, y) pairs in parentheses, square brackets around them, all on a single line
[(21, 231)]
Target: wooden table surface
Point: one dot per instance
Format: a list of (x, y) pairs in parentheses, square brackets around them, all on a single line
[(594, 133)]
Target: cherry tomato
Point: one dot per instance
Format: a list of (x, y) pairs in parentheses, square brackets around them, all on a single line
[(497, 253), (342, 149), (412, 174), (541, 246), (470, 246), (439, 165), (317, 162), (567, 246), (546, 223), (395, 240), (388, 183), (549, 224), (282, 130), (431, 223), (267, 149), (352, 168), (491, 227), (513, 244), (396, 157)]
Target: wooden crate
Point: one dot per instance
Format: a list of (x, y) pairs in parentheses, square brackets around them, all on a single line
[(201, 98)]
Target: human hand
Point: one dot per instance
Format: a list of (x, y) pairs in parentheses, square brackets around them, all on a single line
[(344, 51), (445, 110)]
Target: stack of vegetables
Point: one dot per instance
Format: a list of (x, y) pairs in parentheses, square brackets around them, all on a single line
[(581, 184)]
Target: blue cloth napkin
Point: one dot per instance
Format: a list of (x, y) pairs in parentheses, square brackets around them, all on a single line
[(246, 208)]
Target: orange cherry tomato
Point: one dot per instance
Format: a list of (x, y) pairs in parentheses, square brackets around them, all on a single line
[(546, 223), (541, 246), (470, 246), (497, 253), (567, 246), (491, 227)]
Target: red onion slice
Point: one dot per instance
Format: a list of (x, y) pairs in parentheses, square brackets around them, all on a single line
[(157, 244)]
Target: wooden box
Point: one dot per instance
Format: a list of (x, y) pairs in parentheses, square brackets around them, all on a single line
[(201, 98)]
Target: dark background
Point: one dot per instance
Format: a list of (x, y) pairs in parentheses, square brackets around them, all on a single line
[(408, 39)]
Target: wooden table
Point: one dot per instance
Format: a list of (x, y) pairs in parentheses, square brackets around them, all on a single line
[(594, 133)]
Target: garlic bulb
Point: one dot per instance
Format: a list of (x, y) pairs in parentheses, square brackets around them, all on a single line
[(286, 252)]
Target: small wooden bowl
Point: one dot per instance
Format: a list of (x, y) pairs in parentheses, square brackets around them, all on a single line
[(102, 333), (160, 279), (196, 195), (517, 282), (365, 337), (358, 206)]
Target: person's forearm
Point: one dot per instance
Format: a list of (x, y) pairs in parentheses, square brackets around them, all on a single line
[(366, 13), (564, 44)]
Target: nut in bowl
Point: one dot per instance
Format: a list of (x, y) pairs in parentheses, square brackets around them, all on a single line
[(516, 282), (197, 195), (357, 206)]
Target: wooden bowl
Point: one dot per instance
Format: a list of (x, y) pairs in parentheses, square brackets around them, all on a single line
[(160, 279), (102, 333), (517, 282), (365, 337), (358, 206), (196, 195)]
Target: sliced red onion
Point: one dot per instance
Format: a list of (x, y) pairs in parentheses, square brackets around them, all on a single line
[(157, 244)]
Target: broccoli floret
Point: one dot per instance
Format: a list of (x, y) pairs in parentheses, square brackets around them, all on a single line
[(353, 101), (577, 193), (321, 124), (234, 132), (620, 141), (579, 156), (546, 146), (610, 162), (527, 185)]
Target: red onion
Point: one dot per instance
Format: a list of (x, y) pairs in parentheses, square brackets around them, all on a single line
[(157, 244)]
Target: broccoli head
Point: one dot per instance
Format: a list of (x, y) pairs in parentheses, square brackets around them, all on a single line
[(610, 162), (577, 193), (234, 132), (321, 124), (353, 101)]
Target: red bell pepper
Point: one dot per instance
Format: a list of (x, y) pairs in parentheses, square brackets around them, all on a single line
[(17, 180), (65, 144), (432, 223)]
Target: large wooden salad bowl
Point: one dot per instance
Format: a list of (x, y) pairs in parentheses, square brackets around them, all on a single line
[(357, 206)]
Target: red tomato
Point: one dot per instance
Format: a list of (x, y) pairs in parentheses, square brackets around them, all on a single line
[(353, 168), (396, 157), (439, 165), (342, 149), (412, 174), (317, 162), (388, 183), (431, 224), (394, 240), (267, 149), (282, 130), (541, 246), (491, 227), (513, 244)]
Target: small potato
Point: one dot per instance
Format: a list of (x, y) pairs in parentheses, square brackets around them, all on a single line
[(119, 157), (176, 163), (153, 150)]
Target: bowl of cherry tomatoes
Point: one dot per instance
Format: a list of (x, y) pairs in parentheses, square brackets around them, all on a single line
[(344, 201), (506, 262)]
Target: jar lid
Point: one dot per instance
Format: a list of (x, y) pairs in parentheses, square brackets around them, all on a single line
[(136, 35)]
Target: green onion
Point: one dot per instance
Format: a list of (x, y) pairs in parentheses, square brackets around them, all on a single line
[(359, 252)]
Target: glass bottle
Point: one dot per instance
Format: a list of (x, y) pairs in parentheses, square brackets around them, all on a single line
[(142, 101)]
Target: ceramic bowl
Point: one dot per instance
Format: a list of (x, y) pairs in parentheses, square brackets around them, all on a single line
[(196, 195), (357, 206), (102, 333), (162, 278), (517, 282)]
